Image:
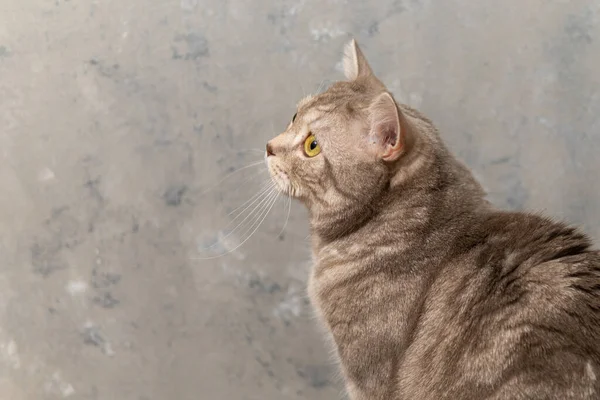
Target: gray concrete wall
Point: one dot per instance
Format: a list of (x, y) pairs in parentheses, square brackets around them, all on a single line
[(116, 116)]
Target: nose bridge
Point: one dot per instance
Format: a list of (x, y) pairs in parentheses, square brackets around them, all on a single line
[(277, 144)]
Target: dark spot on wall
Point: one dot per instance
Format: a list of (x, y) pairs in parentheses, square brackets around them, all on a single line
[(93, 336), (517, 195), (578, 29), (105, 300), (135, 226), (45, 257), (192, 46), (224, 135), (103, 280), (4, 53), (316, 375), (266, 365), (501, 160), (174, 195), (103, 68), (399, 6), (373, 29), (63, 228), (249, 339), (198, 129), (272, 18), (57, 212), (210, 88), (93, 186), (270, 288)]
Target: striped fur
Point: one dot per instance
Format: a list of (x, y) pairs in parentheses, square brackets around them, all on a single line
[(428, 291)]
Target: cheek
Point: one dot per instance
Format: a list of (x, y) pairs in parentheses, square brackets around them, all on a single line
[(308, 171), (305, 177), (360, 177)]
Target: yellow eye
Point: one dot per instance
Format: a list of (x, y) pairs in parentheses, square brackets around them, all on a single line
[(311, 146)]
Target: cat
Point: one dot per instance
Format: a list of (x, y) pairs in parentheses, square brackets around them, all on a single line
[(428, 290)]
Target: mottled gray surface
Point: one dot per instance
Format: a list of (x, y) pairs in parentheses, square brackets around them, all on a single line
[(116, 116)]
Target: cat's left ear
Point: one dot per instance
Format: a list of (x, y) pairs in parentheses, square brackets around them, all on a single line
[(355, 63), (385, 128)]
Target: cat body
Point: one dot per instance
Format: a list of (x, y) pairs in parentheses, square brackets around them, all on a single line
[(427, 290), (504, 307)]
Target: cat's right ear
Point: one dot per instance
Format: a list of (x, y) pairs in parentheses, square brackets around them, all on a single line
[(386, 135), (355, 63)]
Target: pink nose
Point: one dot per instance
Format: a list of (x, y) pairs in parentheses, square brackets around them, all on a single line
[(270, 150)]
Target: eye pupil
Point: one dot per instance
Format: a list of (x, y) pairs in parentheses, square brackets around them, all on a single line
[(294, 117), (313, 145)]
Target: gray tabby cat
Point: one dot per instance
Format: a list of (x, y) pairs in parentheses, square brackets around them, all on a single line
[(428, 291)]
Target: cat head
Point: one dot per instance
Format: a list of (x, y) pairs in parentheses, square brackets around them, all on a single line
[(344, 146)]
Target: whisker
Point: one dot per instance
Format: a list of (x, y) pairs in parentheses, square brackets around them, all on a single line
[(266, 186), (268, 205), (289, 202), (265, 194), (233, 173), (263, 214), (253, 176), (321, 85), (266, 200), (247, 180), (248, 150), (260, 223)]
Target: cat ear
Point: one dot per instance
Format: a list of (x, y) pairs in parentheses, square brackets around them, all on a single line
[(355, 63), (386, 132)]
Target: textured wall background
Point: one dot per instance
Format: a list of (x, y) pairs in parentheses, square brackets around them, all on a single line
[(116, 116)]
